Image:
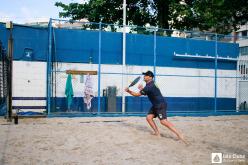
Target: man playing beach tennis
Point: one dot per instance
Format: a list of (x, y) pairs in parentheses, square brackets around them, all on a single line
[(159, 105)]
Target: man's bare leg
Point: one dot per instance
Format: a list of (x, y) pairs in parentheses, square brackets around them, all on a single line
[(149, 119), (173, 129)]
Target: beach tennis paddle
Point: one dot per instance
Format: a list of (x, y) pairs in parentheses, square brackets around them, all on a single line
[(135, 81)]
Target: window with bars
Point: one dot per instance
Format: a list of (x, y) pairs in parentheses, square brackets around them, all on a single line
[(243, 50), (243, 70), (244, 33)]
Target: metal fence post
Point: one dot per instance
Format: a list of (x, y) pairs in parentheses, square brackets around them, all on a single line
[(49, 68), (10, 72), (215, 73), (154, 53), (123, 105), (99, 67)]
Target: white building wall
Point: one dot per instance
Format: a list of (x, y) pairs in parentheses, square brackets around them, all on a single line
[(29, 80)]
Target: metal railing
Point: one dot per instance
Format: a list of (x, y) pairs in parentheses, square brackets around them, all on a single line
[(208, 90)]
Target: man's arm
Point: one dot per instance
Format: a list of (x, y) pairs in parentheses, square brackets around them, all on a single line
[(133, 93)]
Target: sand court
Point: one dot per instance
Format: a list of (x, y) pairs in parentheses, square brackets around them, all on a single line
[(121, 140)]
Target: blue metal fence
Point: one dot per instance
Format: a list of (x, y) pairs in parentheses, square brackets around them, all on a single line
[(156, 52), (196, 72)]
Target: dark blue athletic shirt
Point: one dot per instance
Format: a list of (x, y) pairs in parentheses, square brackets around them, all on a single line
[(154, 94)]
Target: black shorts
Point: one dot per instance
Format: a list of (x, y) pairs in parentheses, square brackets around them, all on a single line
[(159, 111)]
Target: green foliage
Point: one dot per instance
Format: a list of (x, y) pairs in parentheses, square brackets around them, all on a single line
[(222, 16)]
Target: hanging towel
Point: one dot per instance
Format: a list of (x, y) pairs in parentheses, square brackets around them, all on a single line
[(69, 91), (88, 91)]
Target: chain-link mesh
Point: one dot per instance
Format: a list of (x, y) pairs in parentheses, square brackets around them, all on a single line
[(60, 101), (242, 75), (226, 75), (193, 76), (4, 64)]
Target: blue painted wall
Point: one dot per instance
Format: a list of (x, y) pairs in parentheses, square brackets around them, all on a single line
[(142, 104), (82, 46), (27, 37)]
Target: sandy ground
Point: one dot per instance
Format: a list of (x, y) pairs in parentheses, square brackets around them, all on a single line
[(121, 141)]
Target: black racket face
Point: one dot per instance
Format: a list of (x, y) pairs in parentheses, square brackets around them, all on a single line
[(135, 81)]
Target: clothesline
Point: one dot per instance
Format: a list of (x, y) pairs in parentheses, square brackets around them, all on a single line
[(81, 72), (88, 89)]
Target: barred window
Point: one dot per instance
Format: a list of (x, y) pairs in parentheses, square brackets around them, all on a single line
[(244, 33), (243, 50)]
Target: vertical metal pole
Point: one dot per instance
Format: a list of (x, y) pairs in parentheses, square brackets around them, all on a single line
[(154, 54), (237, 84), (215, 73), (124, 57), (49, 83), (9, 79), (99, 67)]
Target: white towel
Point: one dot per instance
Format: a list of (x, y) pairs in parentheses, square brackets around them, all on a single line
[(88, 91)]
